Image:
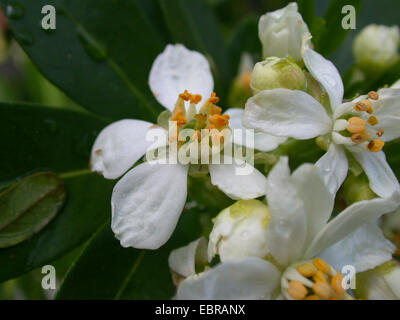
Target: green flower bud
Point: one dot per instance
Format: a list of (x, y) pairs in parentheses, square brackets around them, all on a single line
[(381, 283), (240, 231), (275, 73), (376, 48)]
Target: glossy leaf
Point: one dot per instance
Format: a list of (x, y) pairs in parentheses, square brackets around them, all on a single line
[(333, 34), (101, 64), (39, 138), (126, 273), (28, 206)]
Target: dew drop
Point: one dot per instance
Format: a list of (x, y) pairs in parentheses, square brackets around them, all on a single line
[(15, 10), (93, 48)]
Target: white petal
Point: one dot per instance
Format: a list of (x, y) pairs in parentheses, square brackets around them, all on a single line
[(347, 108), (247, 279), (348, 221), (119, 146), (286, 113), (333, 166), (326, 74), (178, 69), (287, 230), (146, 204), (183, 260), (364, 249), (396, 85), (317, 199), (262, 141), (238, 180), (391, 126), (281, 32), (381, 177), (388, 103)]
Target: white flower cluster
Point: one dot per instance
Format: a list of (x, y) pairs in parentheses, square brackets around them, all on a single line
[(290, 244)]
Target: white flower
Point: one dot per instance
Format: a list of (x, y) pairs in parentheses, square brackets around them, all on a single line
[(381, 283), (148, 200), (376, 47), (305, 249), (361, 126), (396, 85), (282, 32)]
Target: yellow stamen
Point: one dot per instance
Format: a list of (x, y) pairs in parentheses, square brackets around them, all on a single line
[(219, 121), (376, 145), (213, 98), (322, 289), (364, 105), (360, 137), (373, 95), (373, 120), (323, 266), (179, 118), (307, 270), (185, 96), (337, 284), (297, 290), (319, 277), (380, 133), (356, 125)]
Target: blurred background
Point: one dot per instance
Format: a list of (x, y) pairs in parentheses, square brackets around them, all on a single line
[(21, 81)]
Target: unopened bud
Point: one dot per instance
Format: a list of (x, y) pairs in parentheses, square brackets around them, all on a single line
[(274, 73), (240, 231), (376, 48)]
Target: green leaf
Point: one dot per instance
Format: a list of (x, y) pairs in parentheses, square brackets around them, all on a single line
[(126, 273), (101, 64), (29, 206), (332, 36), (192, 23), (40, 138)]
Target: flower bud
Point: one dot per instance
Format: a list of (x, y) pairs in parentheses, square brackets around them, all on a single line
[(381, 283), (376, 48), (240, 90), (240, 231), (275, 73)]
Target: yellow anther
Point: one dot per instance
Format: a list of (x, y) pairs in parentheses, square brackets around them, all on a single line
[(219, 121), (185, 95), (372, 120), (319, 277), (336, 282), (179, 118), (213, 98), (312, 297), (297, 290), (195, 98), (322, 289), (364, 105), (373, 95), (360, 137), (307, 270), (356, 125), (376, 145), (323, 266), (380, 133)]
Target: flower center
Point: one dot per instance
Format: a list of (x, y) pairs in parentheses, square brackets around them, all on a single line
[(205, 122), (362, 129), (313, 280)]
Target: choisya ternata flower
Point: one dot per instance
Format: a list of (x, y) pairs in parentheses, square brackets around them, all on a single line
[(148, 200), (361, 126), (305, 251)]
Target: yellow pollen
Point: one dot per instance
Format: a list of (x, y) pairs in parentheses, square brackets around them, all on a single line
[(319, 277), (356, 125), (336, 282), (380, 133), (323, 266), (307, 270), (297, 290), (360, 137), (364, 105), (213, 98), (376, 145), (179, 118), (373, 120), (322, 289), (219, 121), (185, 96), (373, 95), (193, 98)]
